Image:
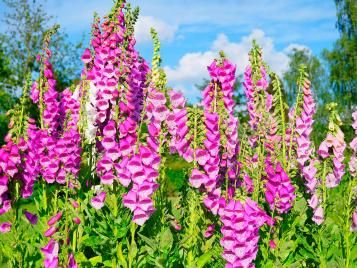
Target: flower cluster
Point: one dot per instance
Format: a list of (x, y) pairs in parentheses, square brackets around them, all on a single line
[(353, 145), (255, 87), (279, 192), (337, 143), (241, 223), (304, 125), (144, 166), (353, 166), (177, 122)]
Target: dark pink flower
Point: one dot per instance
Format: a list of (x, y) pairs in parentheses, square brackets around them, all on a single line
[(71, 261), (32, 218), (5, 227)]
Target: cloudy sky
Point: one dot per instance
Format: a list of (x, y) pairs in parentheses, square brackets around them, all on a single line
[(193, 31)]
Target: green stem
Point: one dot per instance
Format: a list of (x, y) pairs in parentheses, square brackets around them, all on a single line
[(44, 196), (141, 123), (293, 127), (215, 98), (41, 99), (347, 231), (130, 253), (195, 138), (323, 186), (282, 112)]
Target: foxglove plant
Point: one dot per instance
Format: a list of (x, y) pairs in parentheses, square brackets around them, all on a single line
[(304, 125), (255, 85), (353, 169), (279, 192), (353, 145), (334, 142), (241, 223), (144, 165)]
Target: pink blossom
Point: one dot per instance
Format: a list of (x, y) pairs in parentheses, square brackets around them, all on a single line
[(51, 254), (98, 201), (54, 219), (5, 227), (32, 218)]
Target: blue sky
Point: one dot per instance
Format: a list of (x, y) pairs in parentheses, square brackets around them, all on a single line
[(192, 32)]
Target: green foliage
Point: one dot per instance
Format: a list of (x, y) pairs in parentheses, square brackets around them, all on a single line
[(341, 59), (314, 69), (26, 23)]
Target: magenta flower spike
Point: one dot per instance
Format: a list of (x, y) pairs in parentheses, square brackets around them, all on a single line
[(240, 230), (279, 191)]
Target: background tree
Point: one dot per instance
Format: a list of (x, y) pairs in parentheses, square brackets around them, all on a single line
[(26, 22), (6, 99), (315, 69), (342, 59)]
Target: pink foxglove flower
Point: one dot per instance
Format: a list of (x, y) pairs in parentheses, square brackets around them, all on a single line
[(32, 218), (54, 219), (98, 201), (50, 231), (209, 231), (77, 220), (5, 227), (51, 254), (240, 229), (71, 261), (279, 192)]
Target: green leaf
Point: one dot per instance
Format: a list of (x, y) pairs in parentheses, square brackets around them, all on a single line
[(95, 260), (204, 259), (121, 257), (166, 239), (92, 241), (149, 242), (80, 257)]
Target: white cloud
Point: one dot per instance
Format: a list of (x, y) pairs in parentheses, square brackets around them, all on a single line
[(192, 67), (291, 47), (142, 29)]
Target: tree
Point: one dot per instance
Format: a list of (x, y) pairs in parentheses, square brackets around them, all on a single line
[(26, 22), (319, 85), (342, 59), (7, 100), (315, 69)]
